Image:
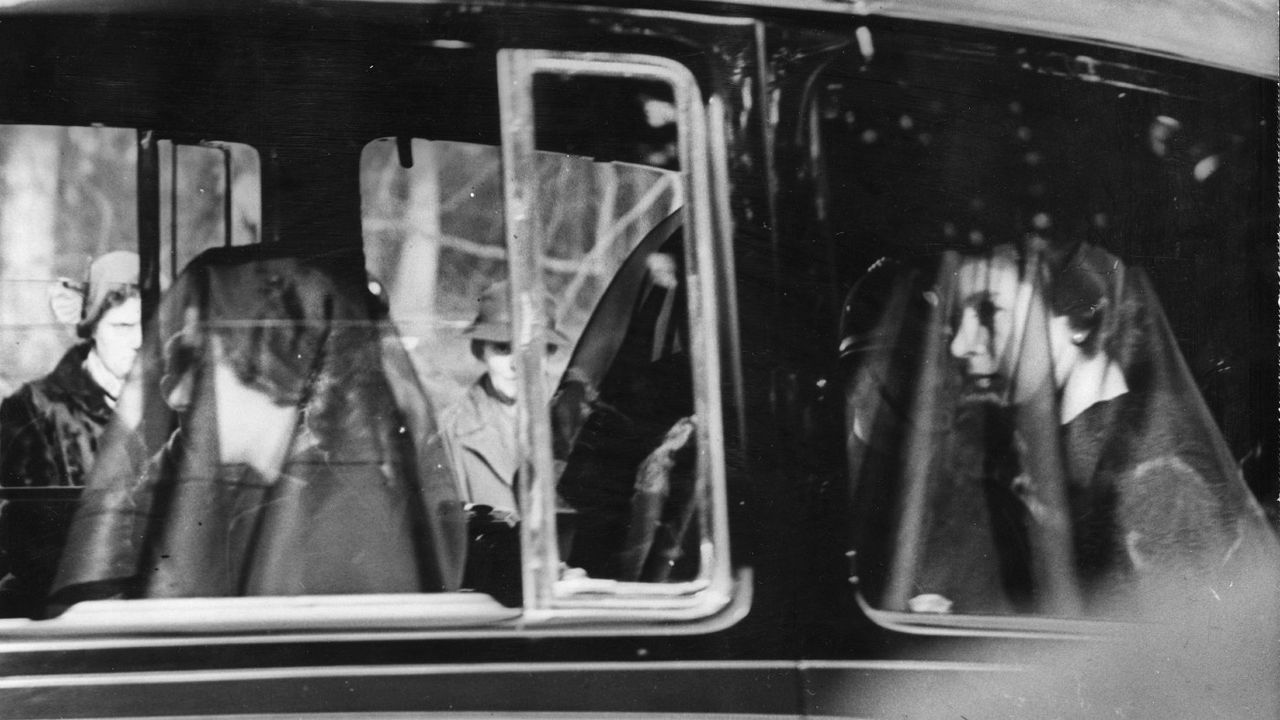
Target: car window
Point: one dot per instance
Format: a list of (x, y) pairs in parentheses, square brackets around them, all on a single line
[(491, 394), (210, 196), (435, 244), (71, 310), (1041, 418), (69, 197)]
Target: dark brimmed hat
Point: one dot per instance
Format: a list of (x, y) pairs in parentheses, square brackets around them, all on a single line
[(493, 322)]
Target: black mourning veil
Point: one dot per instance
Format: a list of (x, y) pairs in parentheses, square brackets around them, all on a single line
[(273, 440), (1024, 436)]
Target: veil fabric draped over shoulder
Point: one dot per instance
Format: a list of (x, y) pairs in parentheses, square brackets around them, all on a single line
[(359, 496)]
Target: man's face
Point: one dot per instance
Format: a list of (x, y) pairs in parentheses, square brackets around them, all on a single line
[(118, 335), (501, 363), (990, 293)]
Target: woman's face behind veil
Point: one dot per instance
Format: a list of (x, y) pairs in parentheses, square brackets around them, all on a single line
[(1003, 329), (989, 292)]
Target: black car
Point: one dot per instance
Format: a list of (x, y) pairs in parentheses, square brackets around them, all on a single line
[(640, 359)]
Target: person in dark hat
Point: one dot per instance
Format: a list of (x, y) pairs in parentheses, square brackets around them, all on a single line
[(480, 429), (50, 428)]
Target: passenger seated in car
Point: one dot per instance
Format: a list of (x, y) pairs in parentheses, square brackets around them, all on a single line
[(1131, 424), (480, 429), (50, 428), (1046, 406), (300, 465)]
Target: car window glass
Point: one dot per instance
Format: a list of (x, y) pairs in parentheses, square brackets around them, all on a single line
[(210, 196), (1040, 420), (71, 313), (434, 244)]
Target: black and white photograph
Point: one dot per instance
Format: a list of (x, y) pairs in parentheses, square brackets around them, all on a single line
[(639, 359)]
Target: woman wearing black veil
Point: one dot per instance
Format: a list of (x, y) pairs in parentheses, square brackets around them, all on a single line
[(1051, 451), (305, 459)]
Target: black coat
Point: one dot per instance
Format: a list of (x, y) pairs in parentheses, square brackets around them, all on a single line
[(49, 433)]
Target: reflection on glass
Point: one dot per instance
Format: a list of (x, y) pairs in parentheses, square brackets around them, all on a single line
[(622, 399), (625, 426)]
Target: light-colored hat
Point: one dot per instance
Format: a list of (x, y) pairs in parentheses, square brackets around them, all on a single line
[(114, 271), (493, 322)]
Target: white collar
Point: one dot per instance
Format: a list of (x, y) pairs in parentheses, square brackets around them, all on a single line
[(1093, 380), (105, 379)]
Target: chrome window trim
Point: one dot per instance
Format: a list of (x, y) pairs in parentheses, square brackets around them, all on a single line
[(548, 599), (246, 614), (997, 626), (59, 635)]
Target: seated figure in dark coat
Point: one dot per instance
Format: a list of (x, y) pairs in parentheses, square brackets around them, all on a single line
[(480, 428), (50, 428)]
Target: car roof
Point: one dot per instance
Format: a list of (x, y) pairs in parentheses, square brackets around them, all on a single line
[(1238, 35)]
